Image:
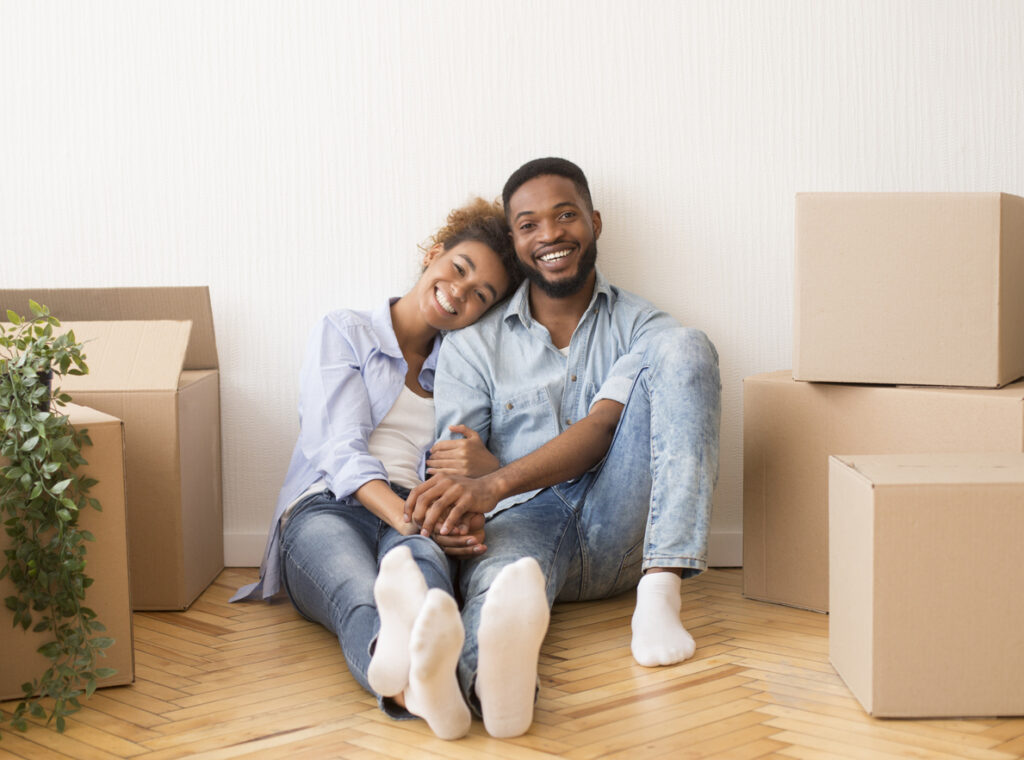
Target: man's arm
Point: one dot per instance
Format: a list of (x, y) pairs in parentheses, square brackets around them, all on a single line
[(567, 456)]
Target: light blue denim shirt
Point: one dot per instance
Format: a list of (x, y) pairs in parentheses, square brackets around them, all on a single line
[(504, 378), (351, 377)]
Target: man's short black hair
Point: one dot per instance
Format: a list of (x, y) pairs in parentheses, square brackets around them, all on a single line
[(539, 167)]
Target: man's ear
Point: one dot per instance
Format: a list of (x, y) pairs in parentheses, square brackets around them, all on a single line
[(432, 253), (595, 218)]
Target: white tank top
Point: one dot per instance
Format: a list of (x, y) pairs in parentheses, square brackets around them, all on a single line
[(402, 436)]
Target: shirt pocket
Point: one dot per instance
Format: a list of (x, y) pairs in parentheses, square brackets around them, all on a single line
[(522, 422)]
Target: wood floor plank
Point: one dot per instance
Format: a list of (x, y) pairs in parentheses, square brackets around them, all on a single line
[(223, 681)]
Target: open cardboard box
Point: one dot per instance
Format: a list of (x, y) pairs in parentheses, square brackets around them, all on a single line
[(152, 359), (106, 563)]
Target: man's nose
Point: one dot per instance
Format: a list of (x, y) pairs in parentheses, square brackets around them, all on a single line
[(549, 230)]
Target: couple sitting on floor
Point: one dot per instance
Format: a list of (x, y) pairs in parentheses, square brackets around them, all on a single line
[(579, 420)]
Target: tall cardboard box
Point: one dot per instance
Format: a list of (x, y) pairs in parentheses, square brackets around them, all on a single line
[(909, 288), (106, 563), (791, 428), (152, 359), (925, 583)]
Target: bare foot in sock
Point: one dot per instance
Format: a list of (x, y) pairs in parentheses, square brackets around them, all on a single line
[(433, 692), (399, 592), (513, 622), (659, 637)]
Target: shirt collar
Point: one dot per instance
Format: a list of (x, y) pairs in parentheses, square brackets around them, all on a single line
[(519, 304), (380, 318)]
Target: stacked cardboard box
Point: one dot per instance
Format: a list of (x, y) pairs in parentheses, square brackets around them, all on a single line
[(909, 323)]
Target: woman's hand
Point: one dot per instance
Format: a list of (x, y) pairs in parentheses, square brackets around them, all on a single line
[(466, 456), (467, 540)]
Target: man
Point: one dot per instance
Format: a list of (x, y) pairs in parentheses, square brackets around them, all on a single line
[(572, 369)]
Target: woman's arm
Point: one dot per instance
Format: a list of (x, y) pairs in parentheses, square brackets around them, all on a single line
[(377, 496)]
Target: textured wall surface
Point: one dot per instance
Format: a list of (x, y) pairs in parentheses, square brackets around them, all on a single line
[(292, 154)]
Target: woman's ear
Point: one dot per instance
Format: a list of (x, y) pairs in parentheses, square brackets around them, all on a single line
[(432, 253)]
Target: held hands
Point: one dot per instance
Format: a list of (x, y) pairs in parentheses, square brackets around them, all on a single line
[(442, 501), (463, 456), (467, 540)]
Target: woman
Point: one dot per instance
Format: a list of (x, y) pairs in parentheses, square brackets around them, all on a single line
[(366, 423)]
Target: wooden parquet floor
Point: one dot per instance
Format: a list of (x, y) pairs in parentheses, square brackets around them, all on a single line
[(256, 681)]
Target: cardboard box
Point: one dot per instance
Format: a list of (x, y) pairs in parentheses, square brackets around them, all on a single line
[(106, 564), (925, 583), (909, 288), (152, 360), (791, 428)]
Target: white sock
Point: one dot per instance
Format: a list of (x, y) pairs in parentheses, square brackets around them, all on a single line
[(434, 649), (659, 637), (513, 622), (399, 592)]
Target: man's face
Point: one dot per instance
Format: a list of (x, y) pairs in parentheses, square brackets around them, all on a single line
[(555, 234)]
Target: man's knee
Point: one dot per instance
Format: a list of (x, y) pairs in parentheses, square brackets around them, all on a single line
[(683, 350)]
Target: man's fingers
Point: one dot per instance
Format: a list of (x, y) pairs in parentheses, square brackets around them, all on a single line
[(464, 431), (452, 521)]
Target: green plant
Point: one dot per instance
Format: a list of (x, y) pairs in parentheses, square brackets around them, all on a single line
[(41, 497)]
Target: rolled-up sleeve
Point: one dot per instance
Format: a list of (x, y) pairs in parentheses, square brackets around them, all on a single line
[(335, 411)]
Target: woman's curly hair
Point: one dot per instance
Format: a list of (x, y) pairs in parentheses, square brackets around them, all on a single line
[(484, 222)]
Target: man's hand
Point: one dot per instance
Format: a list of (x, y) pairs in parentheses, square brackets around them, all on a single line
[(465, 456), (467, 540), (446, 498)]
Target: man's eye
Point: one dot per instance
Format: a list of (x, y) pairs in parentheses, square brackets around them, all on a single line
[(526, 226), (569, 215)]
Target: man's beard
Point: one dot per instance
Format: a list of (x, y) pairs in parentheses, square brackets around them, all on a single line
[(563, 288)]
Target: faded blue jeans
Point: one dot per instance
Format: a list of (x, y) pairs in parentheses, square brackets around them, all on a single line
[(330, 553), (648, 504)]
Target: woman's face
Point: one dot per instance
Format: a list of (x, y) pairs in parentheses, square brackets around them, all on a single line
[(460, 284)]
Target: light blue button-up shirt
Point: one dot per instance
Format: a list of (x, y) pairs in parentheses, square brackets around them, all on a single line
[(351, 377), (504, 378)]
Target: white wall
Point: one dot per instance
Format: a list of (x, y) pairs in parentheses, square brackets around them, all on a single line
[(292, 154)]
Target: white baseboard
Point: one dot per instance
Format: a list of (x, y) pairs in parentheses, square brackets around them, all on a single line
[(244, 549), (725, 549)]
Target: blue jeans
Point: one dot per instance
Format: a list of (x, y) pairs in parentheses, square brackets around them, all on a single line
[(648, 504), (330, 552)]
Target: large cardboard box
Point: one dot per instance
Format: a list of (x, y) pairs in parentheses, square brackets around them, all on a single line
[(925, 583), (909, 288), (791, 428), (152, 360), (106, 564)]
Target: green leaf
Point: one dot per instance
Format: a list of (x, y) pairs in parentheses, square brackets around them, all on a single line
[(39, 311), (13, 317), (60, 487), (106, 672)]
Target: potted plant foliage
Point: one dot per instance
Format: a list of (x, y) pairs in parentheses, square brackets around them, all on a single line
[(41, 497)]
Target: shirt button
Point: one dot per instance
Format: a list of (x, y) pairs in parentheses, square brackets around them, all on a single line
[(508, 405), (568, 422), (573, 378)]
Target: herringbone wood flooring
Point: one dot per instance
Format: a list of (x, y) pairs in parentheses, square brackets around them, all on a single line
[(257, 681)]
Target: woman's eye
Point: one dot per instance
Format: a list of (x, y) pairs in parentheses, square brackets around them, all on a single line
[(482, 297), (459, 269)]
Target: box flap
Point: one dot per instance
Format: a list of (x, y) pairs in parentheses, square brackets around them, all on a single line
[(117, 304), (129, 355)]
